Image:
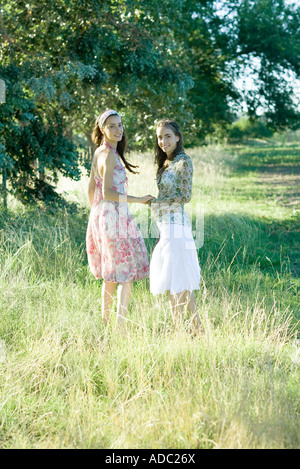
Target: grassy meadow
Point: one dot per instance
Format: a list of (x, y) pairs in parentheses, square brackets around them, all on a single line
[(67, 381)]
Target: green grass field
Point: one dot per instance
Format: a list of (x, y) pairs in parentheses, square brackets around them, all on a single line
[(69, 382)]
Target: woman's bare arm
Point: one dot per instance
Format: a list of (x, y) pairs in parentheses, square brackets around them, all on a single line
[(91, 187), (108, 166)]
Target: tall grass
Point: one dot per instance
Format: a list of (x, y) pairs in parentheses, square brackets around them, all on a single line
[(69, 382)]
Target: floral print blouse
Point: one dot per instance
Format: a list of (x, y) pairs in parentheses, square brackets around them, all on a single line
[(174, 190)]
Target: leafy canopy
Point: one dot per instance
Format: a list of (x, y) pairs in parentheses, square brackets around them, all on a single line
[(65, 61)]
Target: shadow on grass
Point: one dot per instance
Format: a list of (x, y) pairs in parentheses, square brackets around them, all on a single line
[(242, 241), (228, 236), (278, 171), (285, 160), (234, 246)]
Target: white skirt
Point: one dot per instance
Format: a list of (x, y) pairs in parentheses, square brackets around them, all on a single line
[(174, 265)]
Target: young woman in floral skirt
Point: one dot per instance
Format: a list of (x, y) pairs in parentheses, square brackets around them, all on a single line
[(115, 247)]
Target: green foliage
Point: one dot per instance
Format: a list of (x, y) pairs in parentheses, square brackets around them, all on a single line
[(268, 30), (65, 61), (245, 128), (32, 143)]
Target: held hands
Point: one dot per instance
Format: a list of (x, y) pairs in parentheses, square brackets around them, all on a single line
[(146, 199)]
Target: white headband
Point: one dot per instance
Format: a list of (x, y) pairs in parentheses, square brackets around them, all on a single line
[(105, 115)]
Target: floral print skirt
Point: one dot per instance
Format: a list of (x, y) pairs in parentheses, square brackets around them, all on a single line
[(115, 246)]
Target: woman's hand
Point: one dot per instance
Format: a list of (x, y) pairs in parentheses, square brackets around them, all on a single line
[(146, 199)]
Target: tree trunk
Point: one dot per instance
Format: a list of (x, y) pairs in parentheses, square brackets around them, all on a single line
[(91, 146), (4, 189)]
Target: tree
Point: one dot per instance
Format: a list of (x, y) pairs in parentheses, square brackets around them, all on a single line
[(71, 60), (32, 144), (67, 60), (265, 38)]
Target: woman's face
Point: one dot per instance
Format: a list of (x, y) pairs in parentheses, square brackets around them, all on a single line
[(113, 129), (167, 140)]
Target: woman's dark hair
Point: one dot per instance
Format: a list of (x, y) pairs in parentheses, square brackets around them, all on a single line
[(98, 137), (160, 155)]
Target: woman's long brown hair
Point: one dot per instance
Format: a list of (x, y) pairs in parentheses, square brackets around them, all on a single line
[(98, 137), (160, 155)]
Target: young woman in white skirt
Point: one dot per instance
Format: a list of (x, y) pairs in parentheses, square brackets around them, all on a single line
[(174, 266)]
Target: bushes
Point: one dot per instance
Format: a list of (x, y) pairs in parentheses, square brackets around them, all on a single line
[(246, 128)]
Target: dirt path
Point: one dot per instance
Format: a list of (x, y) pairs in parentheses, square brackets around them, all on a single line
[(285, 182)]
